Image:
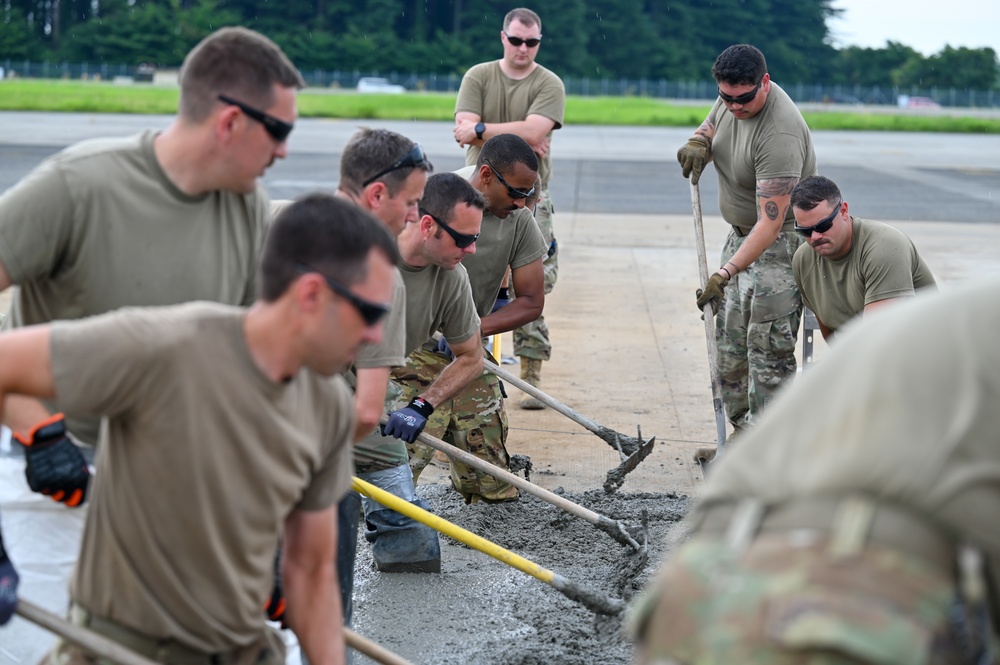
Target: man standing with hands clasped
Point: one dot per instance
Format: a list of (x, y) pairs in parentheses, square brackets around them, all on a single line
[(761, 148), (516, 95)]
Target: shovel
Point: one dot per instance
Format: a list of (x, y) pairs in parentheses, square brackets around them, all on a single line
[(107, 649), (709, 316), (590, 599), (605, 524), (631, 449)]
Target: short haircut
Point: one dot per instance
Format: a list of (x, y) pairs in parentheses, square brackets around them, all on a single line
[(446, 190), (370, 151), (532, 200), (524, 15), (740, 64), (325, 233), (504, 151), (237, 62), (812, 190)]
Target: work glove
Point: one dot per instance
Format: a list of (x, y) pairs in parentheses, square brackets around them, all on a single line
[(275, 605), (409, 422), (693, 156), (8, 586), (55, 467), (712, 293), (444, 349)]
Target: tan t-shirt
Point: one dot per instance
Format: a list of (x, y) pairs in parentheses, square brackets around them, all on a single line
[(438, 299), (514, 241), (775, 143), (881, 264), (100, 226), (489, 93), (202, 460), (903, 409)]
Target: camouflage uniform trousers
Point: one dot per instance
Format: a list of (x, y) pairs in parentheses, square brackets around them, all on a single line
[(376, 452), (756, 328), (788, 602), (269, 649), (532, 339), (474, 420)]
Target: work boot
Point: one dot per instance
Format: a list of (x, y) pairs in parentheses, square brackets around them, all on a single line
[(531, 372), (401, 544)]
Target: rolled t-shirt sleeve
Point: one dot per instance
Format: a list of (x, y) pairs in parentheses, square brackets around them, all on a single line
[(36, 224), (460, 320), (470, 94), (529, 245), (332, 480), (550, 102)]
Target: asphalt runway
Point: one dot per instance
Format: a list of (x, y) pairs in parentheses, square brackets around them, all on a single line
[(627, 170)]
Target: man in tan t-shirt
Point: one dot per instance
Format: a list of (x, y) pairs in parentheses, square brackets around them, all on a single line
[(856, 522), (155, 219), (516, 95), (851, 266), (223, 431)]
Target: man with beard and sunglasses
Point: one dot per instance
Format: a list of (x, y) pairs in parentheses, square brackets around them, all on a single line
[(474, 419), (516, 95), (851, 266), (761, 148), (159, 218)]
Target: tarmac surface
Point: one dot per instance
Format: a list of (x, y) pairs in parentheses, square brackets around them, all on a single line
[(629, 350)]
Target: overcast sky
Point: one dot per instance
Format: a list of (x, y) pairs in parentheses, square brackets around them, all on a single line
[(925, 26)]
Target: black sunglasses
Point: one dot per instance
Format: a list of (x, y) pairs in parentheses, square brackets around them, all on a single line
[(512, 192), (517, 41), (371, 312), (745, 98), (415, 157), (462, 240), (278, 129), (822, 226)]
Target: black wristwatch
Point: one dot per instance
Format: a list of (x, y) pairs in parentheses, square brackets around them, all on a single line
[(480, 128)]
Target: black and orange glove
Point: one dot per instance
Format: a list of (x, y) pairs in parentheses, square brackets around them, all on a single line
[(275, 605), (55, 467)]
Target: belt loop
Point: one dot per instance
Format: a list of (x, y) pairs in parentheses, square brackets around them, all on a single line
[(851, 526), (744, 524)]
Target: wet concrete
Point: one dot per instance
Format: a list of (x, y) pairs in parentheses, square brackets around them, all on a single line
[(479, 610)]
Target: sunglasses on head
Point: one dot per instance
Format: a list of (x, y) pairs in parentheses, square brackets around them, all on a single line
[(511, 191), (821, 226), (278, 129), (371, 312), (415, 157), (462, 240), (517, 41), (745, 98)]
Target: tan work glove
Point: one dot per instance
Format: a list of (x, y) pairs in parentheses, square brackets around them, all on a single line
[(693, 156)]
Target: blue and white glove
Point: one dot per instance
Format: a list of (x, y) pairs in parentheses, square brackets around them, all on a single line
[(409, 422)]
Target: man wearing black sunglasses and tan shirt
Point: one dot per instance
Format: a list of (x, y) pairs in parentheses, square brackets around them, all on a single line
[(761, 148), (474, 419), (154, 219), (851, 266), (516, 95)]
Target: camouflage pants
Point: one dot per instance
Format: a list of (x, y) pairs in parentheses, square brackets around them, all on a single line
[(376, 452), (474, 421), (532, 339), (786, 602), (756, 328)]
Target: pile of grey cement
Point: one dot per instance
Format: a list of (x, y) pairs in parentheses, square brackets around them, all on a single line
[(480, 610)]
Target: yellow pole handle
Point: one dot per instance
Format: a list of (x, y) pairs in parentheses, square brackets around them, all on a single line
[(454, 531)]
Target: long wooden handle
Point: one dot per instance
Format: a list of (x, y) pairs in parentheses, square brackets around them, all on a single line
[(375, 651), (709, 316), (544, 398)]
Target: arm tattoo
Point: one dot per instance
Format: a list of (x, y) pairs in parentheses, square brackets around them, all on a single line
[(768, 189), (771, 208), (705, 129)]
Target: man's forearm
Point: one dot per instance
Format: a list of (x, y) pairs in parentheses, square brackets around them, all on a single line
[(369, 399), (314, 612), (22, 413), (454, 377), (521, 311)]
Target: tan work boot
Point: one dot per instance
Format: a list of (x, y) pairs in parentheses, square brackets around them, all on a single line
[(531, 372)]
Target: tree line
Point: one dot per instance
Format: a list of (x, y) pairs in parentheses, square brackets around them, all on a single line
[(636, 39)]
